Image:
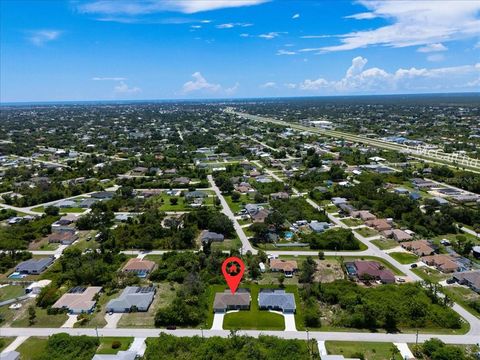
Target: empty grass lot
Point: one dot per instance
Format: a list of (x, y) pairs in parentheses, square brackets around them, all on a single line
[(430, 274), (32, 347), (404, 258), (385, 244), (370, 350), (11, 292), (366, 232), (42, 319)]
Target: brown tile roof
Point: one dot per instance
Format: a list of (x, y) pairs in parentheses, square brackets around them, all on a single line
[(226, 299), (136, 264), (80, 301), (283, 265), (445, 263), (419, 247)]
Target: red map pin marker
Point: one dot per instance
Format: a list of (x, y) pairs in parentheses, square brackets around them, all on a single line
[(233, 269)]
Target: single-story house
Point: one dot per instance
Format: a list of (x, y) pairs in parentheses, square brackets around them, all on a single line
[(64, 238), (279, 195), (87, 203), (440, 201), (260, 216), (269, 299), (379, 224), (210, 236), (103, 195), (375, 270), (419, 247), (442, 262), (288, 267), (37, 286), (346, 208), (132, 297), (78, 300), (319, 226), (364, 215), (64, 204), (470, 279), (138, 266), (181, 180), (34, 266), (226, 301), (121, 355), (398, 235), (195, 195)]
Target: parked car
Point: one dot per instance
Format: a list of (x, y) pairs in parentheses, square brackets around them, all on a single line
[(413, 266), (171, 327)]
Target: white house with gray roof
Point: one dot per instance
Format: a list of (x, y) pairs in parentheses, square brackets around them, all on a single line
[(132, 297), (269, 299), (34, 266)]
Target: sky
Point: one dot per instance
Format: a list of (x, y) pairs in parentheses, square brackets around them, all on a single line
[(195, 49)]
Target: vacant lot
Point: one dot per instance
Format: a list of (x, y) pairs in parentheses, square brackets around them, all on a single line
[(106, 343), (385, 244), (404, 258), (366, 232), (369, 350), (328, 270), (32, 347), (11, 292), (430, 274)]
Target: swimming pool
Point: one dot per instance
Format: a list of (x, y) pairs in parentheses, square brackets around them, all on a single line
[(288, 235), (16, 275)]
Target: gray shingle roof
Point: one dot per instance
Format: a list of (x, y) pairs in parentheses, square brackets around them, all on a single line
[(34, 265), (132, 296), (278, 299)]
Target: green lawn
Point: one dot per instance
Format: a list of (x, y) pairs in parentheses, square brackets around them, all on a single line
[(369, 350), (403, 257), (11, 292), (385, 244), (352, 222), (463, 296), (31, 347), (105, 346), (42, 319), (5, 341), (366, 232), (236, 206), (429, 274)]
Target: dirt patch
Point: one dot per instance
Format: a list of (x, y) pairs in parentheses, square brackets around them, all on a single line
[(328, 271)]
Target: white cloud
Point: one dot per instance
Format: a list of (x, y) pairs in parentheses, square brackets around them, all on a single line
[(414, 23), (315, 36), (200, 85), (285, 52), (244, 35), (296, 16), (359, 79), (270, 35), (123, 88), (107, 78), (269, 85), (144, 7), (432, 48), (40, 37), (362, 16), (232, 25)]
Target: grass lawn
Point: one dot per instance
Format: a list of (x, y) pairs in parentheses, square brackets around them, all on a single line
[(228, 244), (42, 319), (385, 244), (403, 257), (32, 347), (236, 206), (352, 222), (370, 350), (105, 346), (11, 292), (463, 296), (366, 232), (5, 341), (430, 274)]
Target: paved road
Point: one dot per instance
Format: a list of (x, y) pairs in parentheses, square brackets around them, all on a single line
[(318, 335), (246, 246)]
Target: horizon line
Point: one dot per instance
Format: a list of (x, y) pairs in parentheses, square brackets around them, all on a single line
[(231, 99)]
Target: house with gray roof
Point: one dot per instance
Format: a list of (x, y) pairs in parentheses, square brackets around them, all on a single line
[(226, 301), (319, 226), (35, 266), (132, 297), (269, 299), (210, 236)]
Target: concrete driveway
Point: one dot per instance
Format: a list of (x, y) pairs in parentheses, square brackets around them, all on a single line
[(112, 320), (218, 321), (290, 322)]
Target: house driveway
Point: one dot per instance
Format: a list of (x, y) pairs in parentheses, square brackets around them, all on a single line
[(218, 321), (404, 351), (72, 319), (112, 320), (138, 346), (290, 322)]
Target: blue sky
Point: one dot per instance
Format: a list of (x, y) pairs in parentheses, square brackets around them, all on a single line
[(167, 49)]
